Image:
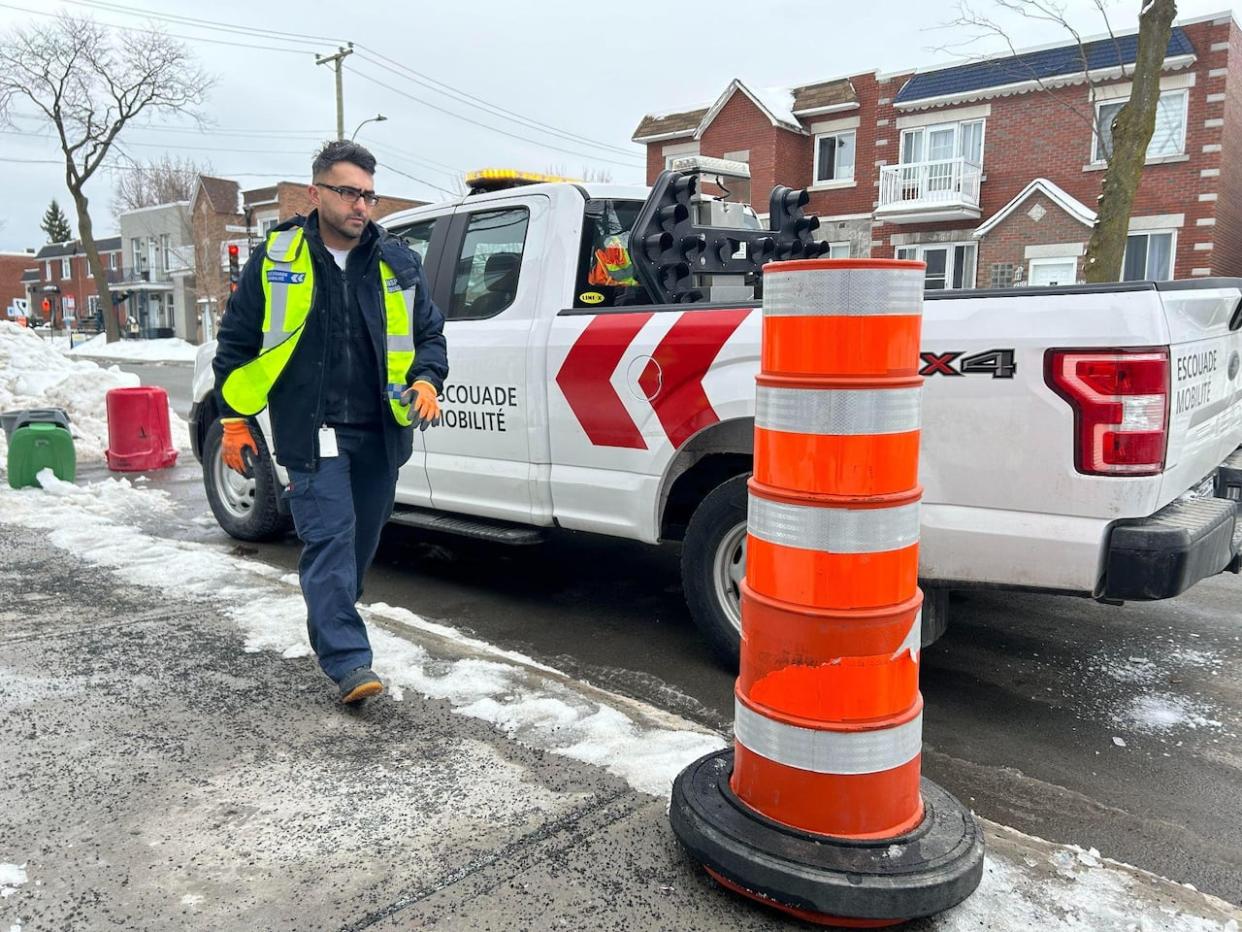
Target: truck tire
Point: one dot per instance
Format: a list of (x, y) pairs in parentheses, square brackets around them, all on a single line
[(247, 509), (713, 564)]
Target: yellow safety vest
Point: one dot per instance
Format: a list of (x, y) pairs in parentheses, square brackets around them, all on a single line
[(288, 295)]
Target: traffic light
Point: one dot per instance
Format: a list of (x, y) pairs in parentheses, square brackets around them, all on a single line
[(792, 228), (234, 271), (670, 243)]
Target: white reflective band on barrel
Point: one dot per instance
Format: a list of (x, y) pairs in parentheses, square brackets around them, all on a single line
[(836, 752), (854, 412), (843, 293), (834, 530)]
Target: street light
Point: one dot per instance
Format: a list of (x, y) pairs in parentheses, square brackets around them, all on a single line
[(378, 118)]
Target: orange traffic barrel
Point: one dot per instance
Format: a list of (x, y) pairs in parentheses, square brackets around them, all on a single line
[(820, 809)]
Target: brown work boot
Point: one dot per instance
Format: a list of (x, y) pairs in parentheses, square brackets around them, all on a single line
[(360, 684)]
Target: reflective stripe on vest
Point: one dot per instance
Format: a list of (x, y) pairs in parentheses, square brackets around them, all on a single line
[(288, 295), (398, 339)]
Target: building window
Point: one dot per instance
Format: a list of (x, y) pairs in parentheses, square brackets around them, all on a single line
[(949, 265), (1149, 257), (136, 249), (92, 305), (267, 224), (47, 270), (1049, 272), (66, 268), (943, 142), (834, 157), (1001, 275), (1168, 138), (165, 251), (112, 260), (838, 251)]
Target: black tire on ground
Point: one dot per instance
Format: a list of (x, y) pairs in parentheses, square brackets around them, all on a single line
[(713, 563), (246, 509)]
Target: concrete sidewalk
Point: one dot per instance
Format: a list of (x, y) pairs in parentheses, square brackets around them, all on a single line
[(155, 775)]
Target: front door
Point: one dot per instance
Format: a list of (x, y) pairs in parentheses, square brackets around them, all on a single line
[(478, 459)]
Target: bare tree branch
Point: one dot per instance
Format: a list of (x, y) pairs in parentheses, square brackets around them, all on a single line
[(90, 83)]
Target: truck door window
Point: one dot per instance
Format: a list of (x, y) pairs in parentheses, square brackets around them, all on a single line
[(606, 276), (418, 236), (486, 278)]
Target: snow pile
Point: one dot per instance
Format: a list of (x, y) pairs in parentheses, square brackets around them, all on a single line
[(171, 349), (35, 375)]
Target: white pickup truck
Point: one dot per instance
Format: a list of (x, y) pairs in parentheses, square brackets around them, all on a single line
[(1084, 440)]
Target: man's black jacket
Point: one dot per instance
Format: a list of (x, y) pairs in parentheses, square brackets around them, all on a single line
[(298, 401)]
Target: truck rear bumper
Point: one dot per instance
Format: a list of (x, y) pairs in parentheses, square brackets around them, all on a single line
[(1186, 541)]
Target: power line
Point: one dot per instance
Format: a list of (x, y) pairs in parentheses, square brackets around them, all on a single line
[(544, 145), (134, 168), (380, 60), (412, 178), (171, 35), (479, 103)]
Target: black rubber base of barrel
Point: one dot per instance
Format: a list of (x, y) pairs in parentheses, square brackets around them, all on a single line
[(923, 872)]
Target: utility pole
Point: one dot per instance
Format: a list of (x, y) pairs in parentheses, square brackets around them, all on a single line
[(341, 53)]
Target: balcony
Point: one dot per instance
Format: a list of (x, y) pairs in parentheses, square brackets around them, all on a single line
[(929, 192)]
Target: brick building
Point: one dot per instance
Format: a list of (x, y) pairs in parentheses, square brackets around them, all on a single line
[(61, 275), (989, 171), (13, 297)]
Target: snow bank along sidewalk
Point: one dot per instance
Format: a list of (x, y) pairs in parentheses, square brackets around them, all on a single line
[(167, 349), (33, 374), (170, 754)]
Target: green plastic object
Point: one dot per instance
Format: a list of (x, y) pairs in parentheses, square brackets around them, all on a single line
[(40, 446)]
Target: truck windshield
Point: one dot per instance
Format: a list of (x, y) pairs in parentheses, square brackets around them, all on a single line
[(606, 276)]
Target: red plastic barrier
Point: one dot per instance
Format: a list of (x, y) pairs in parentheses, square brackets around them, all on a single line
[(139, 438)]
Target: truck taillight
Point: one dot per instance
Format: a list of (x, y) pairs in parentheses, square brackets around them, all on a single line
[(1121, 407)]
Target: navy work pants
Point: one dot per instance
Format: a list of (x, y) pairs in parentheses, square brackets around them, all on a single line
[(339, 511)]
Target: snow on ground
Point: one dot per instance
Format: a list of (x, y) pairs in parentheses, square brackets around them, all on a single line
[(529, 701), (1050, 887), (171, 349), (33, 374), (12, 876)]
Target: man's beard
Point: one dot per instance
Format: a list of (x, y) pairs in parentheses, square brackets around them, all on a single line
[(346, 232)]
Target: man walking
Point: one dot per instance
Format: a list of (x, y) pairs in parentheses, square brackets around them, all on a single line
[(332, 328)]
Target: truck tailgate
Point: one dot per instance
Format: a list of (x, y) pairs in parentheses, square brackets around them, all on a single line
[(1205, 403)]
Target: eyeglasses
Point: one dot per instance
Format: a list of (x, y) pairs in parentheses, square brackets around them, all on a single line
[(350, 195)]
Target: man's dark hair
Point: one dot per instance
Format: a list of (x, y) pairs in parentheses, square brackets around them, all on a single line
[(342, 150)]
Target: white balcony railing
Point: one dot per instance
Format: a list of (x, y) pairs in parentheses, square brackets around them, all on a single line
[(930, 186)]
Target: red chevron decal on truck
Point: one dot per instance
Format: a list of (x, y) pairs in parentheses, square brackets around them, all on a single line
[(673, 379), (585, 380)]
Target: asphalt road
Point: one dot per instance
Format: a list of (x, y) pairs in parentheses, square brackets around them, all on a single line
[(1109, 727)]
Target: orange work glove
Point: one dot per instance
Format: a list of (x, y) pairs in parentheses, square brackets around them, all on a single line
[(238, 447), (422, 397)]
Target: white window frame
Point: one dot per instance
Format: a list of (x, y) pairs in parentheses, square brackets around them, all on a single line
[(135, 245), (66, 268), (834, 250), (47, 270), (849, 182), (956, 126), (112, 257), (916, 251), (1096, 157), (1172, 252), (678, 150), (165, 251), (92, 304), (1033, 264)]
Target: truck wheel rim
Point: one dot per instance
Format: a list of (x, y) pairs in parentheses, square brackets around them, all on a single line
[(730, 570), (236, 491)]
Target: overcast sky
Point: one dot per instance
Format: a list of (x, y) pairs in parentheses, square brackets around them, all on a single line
[(586, 72)]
